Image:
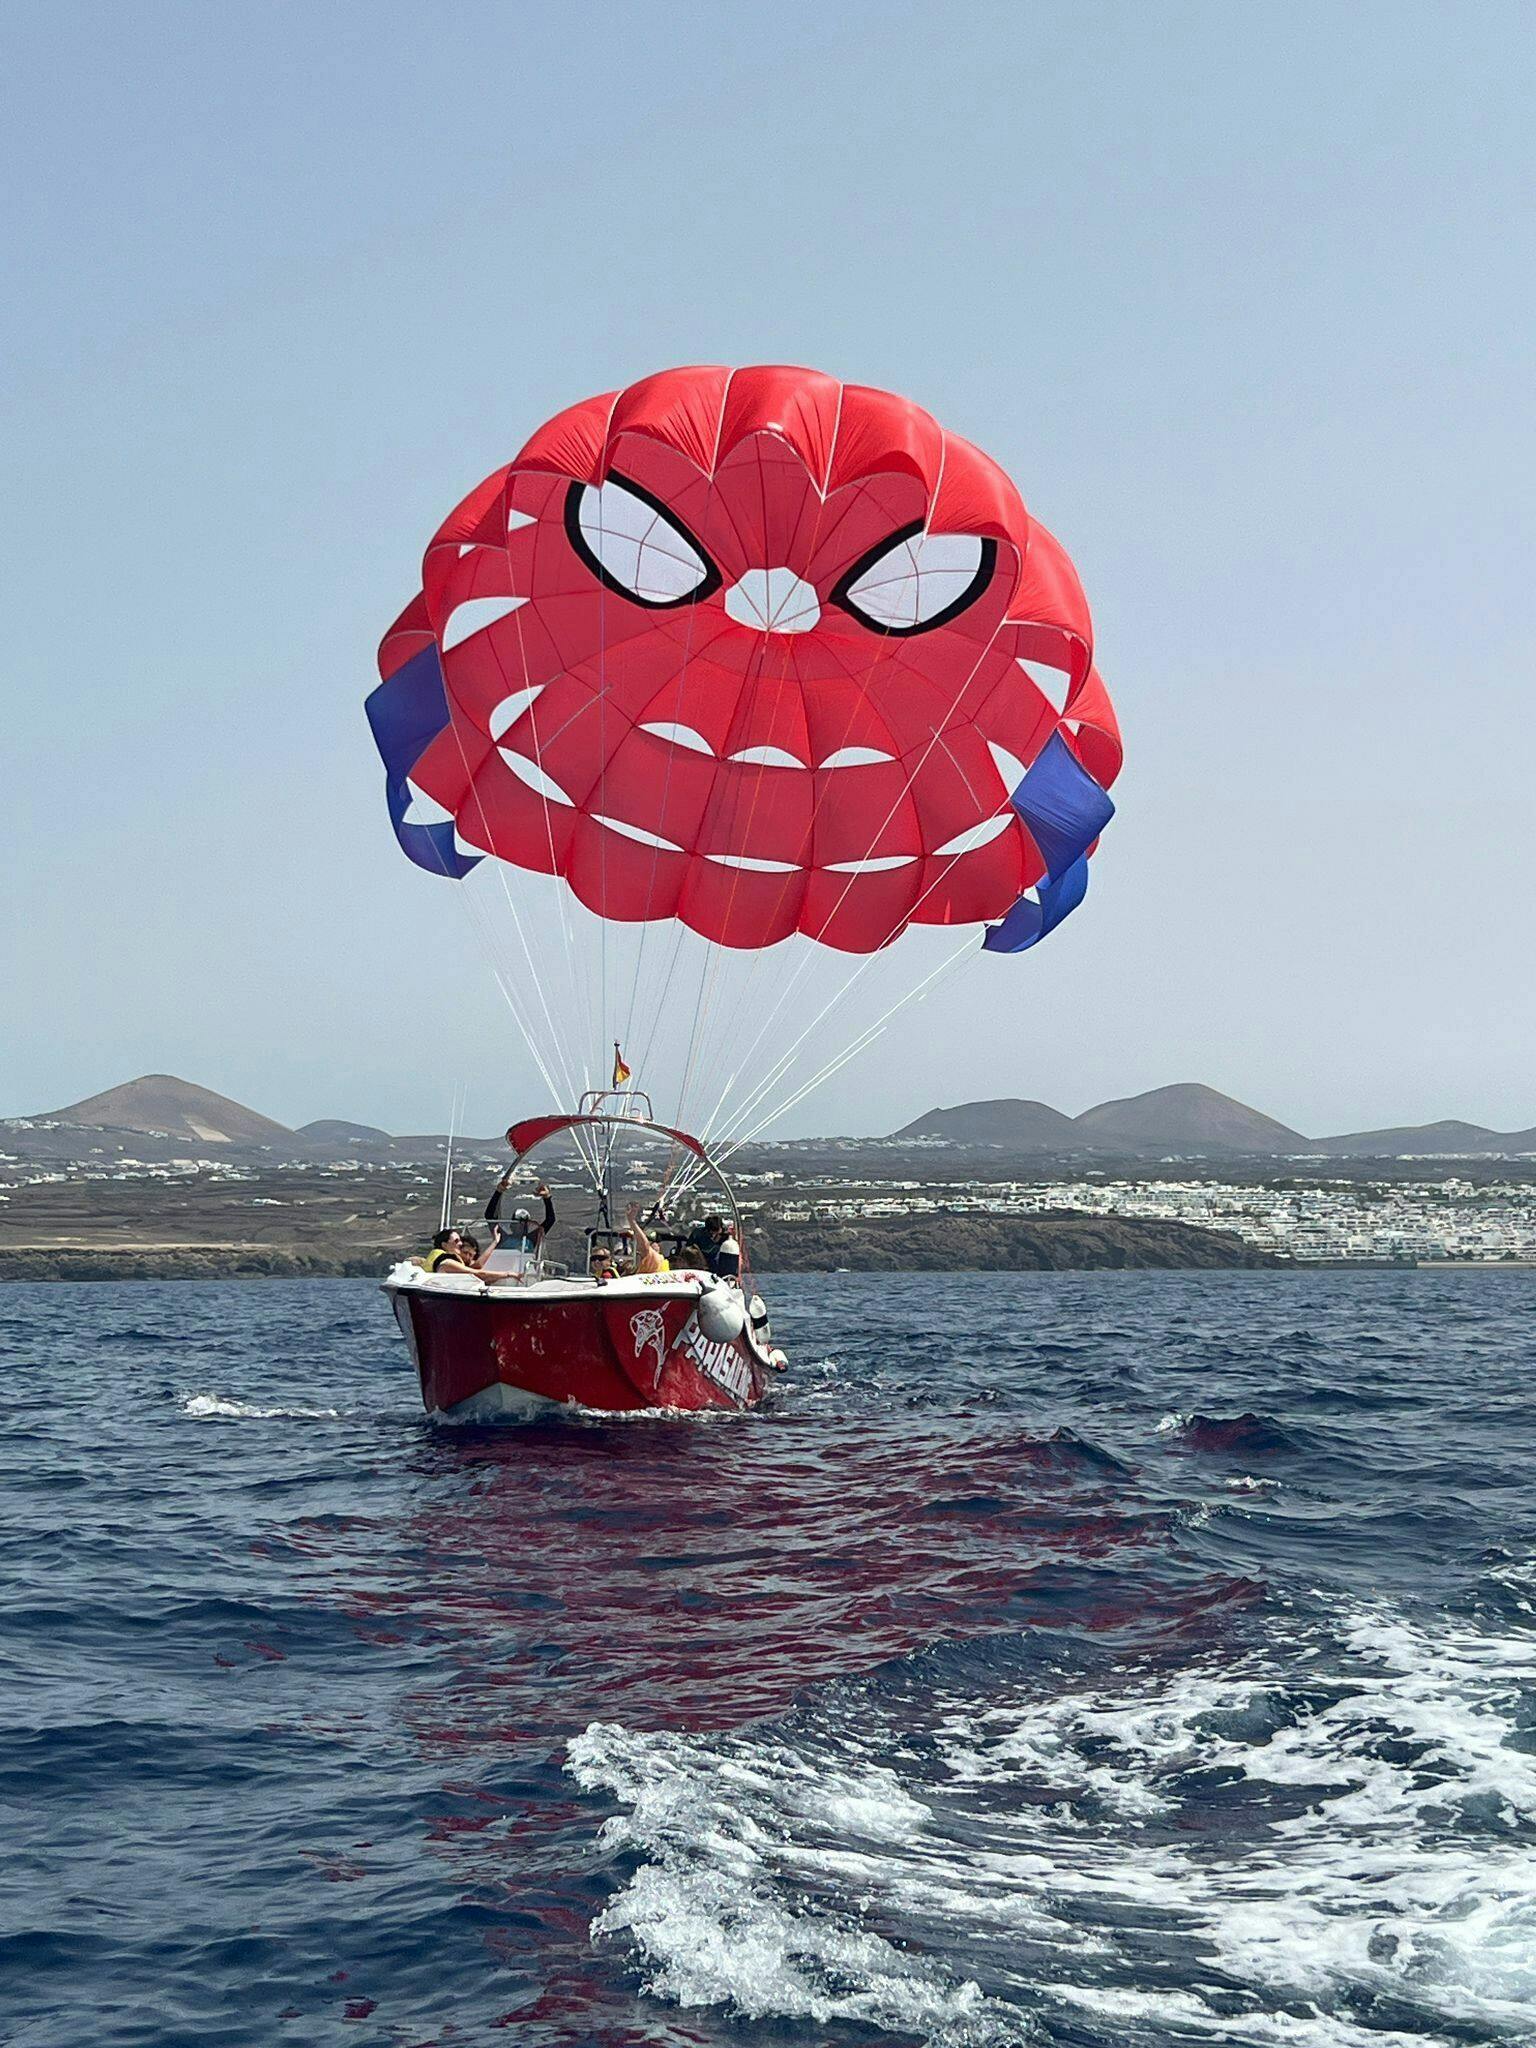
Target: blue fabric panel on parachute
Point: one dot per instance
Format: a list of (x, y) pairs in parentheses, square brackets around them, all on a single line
[(1029, 921), (407, 712), (1062, 805), (1065, 810)]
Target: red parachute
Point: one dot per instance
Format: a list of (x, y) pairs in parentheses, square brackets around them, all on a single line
[(762, 652)]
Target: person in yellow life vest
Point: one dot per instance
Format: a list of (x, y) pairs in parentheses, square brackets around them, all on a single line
[(447, 1251), (647, 1258), (452, 1252)]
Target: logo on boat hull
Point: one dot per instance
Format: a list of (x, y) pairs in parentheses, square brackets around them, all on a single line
[(648, 1327), (718, 1361)]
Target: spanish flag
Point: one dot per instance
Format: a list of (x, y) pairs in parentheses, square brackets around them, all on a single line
[(620, 1071)]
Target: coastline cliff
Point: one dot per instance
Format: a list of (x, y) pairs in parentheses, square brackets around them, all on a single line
[(929, 1244)]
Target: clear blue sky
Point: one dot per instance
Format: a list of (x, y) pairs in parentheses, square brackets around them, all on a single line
[(1241, 294)]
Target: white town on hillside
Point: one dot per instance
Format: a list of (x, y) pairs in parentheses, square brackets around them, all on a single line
[(1410, 1222), (1327, 1221)]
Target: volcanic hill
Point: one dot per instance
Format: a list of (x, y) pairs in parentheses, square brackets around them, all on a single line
[(163, 1105), (1449, 1138), (1187, 1116), (1021, 1126)]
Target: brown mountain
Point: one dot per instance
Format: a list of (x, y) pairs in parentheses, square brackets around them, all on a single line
[(165, 1106), (1450, 1138), (1011, 1121), (1187, 1117)]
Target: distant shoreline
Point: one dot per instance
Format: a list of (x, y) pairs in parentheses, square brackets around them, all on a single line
[(42, 1267), (1053, 1246)]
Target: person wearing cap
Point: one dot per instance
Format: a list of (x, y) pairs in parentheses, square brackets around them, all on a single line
[(520, 1233), (716, 1248)]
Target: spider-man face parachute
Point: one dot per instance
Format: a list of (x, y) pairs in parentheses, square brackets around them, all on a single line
[(761, 653)]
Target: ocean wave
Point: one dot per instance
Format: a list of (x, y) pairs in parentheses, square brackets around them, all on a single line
[(1370, 1878), (716, 1922), (1256, 1436), (919, 1717), (206, 1407)]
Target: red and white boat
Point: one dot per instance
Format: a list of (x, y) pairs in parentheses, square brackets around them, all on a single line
[(539, 1336)]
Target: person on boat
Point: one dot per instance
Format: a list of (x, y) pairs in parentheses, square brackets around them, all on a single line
[(717, 1248), (648, 1258), (455, 1251), (521, 1234), (602, 1265), (449, 1254)]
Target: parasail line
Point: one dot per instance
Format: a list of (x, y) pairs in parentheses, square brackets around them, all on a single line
[(517, 923), (776, 1072), (859, 1044), (711, 972), (580, 1013), (693, 612), (529, 1037), (889, 650)]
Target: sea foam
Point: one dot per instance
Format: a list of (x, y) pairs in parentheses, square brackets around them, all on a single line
[(1376, 1884), (208, 1407)]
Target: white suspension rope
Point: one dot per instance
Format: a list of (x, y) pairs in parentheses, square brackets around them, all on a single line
[(682, 674), (859, 1044), (517, 923), (966, 950), (793, 980), (839, 996), (783, 1065), (581, 1011)]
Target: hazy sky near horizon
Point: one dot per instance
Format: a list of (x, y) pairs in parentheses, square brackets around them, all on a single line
[(1242, 296)]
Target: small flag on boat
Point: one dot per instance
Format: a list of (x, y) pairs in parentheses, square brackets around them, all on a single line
[(620, 1071)]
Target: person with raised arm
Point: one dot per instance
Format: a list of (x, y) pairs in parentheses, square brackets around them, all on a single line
[(522, 1234)]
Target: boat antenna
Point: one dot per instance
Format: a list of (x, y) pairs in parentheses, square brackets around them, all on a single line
[(459, 1093)]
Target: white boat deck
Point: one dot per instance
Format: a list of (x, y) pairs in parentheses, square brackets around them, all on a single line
[(409, 1277)]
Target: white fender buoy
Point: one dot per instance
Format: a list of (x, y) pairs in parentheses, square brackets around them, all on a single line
[(722, 1313)]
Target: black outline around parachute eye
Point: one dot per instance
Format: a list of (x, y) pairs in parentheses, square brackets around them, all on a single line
[(709, 582), (880, 550)]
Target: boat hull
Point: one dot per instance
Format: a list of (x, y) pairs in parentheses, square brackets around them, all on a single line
[(662, 1341)]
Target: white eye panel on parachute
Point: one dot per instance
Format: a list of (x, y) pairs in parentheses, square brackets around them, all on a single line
[(917, 580), (634, 545)]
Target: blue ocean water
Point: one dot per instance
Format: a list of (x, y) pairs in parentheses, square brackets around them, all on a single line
[(1078, 1659)]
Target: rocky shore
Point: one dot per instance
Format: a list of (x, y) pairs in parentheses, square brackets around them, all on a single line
[(189, 1262), (1063, 1242), (932, 1244)]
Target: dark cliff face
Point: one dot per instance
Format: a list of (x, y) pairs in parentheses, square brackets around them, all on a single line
[(192, 1262), (928, 1244), (1009, 1244)]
